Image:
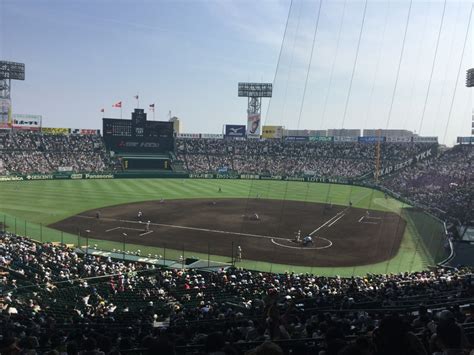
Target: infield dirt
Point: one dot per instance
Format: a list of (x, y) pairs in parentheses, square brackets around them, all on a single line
[(343, 236)]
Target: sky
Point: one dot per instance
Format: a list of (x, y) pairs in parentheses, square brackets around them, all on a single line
[(374, 64)]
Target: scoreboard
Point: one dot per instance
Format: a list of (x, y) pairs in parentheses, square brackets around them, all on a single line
[(138, 135)]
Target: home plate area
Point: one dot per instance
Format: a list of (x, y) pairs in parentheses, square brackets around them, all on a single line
[(317, 244)]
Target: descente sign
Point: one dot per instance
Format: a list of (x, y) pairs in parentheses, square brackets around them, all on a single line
[(39, 177)]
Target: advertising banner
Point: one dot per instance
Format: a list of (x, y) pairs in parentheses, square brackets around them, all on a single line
[(212, 136), (296, 139), (305, 132), (53, 130), (26, 122), (401, 139), (371, 139), (345, 139), (89, 132), (253, 125), (344, 132), (425, 139), (419, 157), (320, 139), (188, 135), (234, 131), (465, 140), (272, 132), (85, 132)]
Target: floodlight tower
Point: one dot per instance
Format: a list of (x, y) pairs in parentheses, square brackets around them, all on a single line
[(8, 71), (254, 92)]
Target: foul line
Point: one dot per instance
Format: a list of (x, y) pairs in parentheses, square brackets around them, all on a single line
[(328, 221), (141, 235), (337, 214), (337, 219), (342, 213)]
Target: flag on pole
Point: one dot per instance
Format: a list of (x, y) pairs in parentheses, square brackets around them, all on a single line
[(136, 97), (152, 107), (118, 104), (102, 110)]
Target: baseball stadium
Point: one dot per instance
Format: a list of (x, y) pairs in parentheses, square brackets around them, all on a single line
[(293, 235)]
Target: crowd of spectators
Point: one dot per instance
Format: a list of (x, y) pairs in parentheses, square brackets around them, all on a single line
[(57, 300), (277, 157), (27, 152), (445, 185), (34, 152)]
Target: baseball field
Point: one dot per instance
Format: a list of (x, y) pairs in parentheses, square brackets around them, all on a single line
[(355, 230)]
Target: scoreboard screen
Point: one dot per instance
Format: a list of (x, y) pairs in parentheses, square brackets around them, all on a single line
[(138, 135)]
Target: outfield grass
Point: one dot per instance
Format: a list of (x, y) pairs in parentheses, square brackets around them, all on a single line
[(29, 206)]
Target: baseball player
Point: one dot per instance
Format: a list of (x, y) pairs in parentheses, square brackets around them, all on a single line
[(307, 240), (239, 253), (298, 236)]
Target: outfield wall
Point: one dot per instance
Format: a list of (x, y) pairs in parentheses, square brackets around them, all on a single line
[(164, 174)]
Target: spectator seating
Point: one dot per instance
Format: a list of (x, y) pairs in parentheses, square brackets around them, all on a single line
[(54, 298)]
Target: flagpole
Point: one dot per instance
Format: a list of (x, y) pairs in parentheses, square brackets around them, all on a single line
[(120, 111)]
